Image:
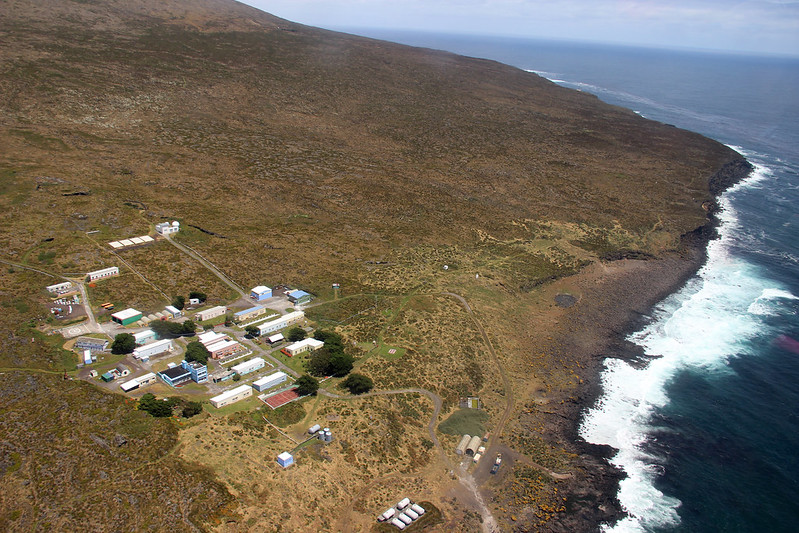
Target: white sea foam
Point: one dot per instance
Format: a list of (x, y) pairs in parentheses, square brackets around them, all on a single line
[(700, 327), (766, 305)]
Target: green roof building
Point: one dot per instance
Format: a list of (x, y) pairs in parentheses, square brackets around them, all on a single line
[(128, 316)]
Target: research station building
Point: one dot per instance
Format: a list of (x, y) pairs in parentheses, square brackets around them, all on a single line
[(231, 396), (256, 363), (208, 314), (269, 381), (249, 314), (154, 348), (260, 293), (299, 297), (305, 345), (126, 317), (281, 322)]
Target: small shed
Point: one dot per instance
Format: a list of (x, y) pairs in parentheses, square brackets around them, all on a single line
[(274, 339), (285, 459)]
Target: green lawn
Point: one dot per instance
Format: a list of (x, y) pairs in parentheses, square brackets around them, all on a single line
[(464, 422), (391, 352)]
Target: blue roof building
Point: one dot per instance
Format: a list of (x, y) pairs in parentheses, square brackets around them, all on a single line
[(299, 297), (252, 312)]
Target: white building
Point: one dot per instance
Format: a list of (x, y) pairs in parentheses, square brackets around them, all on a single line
[(274, 339), (305, 345), (143, 337), (285, 459), (269, 381), (223, 348), (136, 383), (60, 288), (210, 337), (256, 363), (208, 314), (260, 293), (281, 322), (231, 396), (165, 228), (154, 348), (173, 311), (104, 273)]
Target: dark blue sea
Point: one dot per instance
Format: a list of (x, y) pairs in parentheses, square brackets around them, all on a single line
[(708, 431)]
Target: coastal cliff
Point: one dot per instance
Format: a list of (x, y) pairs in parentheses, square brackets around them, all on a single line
[(450, 199)]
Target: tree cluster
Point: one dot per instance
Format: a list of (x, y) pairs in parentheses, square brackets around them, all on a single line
[(123, 343), (165, 407), (170, 330), (179, 301), (198, 296), (157, 408), (330, 360), (295, 334), (196, 351), (306, 385), (357, 383)]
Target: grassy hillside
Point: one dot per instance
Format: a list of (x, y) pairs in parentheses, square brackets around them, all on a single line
[(300, 156)]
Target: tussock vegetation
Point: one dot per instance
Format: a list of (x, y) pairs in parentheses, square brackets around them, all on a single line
[(295, 156)]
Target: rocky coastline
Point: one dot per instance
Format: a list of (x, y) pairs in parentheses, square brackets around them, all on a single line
[(616, 300)]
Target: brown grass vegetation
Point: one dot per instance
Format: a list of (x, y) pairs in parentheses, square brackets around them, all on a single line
[(298, 156)]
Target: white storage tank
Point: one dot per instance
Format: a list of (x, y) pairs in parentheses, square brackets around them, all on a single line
[(411, 513), (403, 503), (418, 509), (405, 518), (388, 514), (313, 429), (400, 525)]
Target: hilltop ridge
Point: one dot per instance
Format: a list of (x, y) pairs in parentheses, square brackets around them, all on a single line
[(454, 202)]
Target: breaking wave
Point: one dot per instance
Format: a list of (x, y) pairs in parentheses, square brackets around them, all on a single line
[(710, 320)]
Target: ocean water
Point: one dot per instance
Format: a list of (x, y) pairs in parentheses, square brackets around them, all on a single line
[(707, 428)]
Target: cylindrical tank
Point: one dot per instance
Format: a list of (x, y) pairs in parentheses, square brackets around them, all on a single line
[(403, 503), (418, 509), (313, 429), (411, 513), (405, 518)]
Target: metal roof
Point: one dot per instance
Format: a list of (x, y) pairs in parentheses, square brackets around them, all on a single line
[(126, 314), (250, 310)]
